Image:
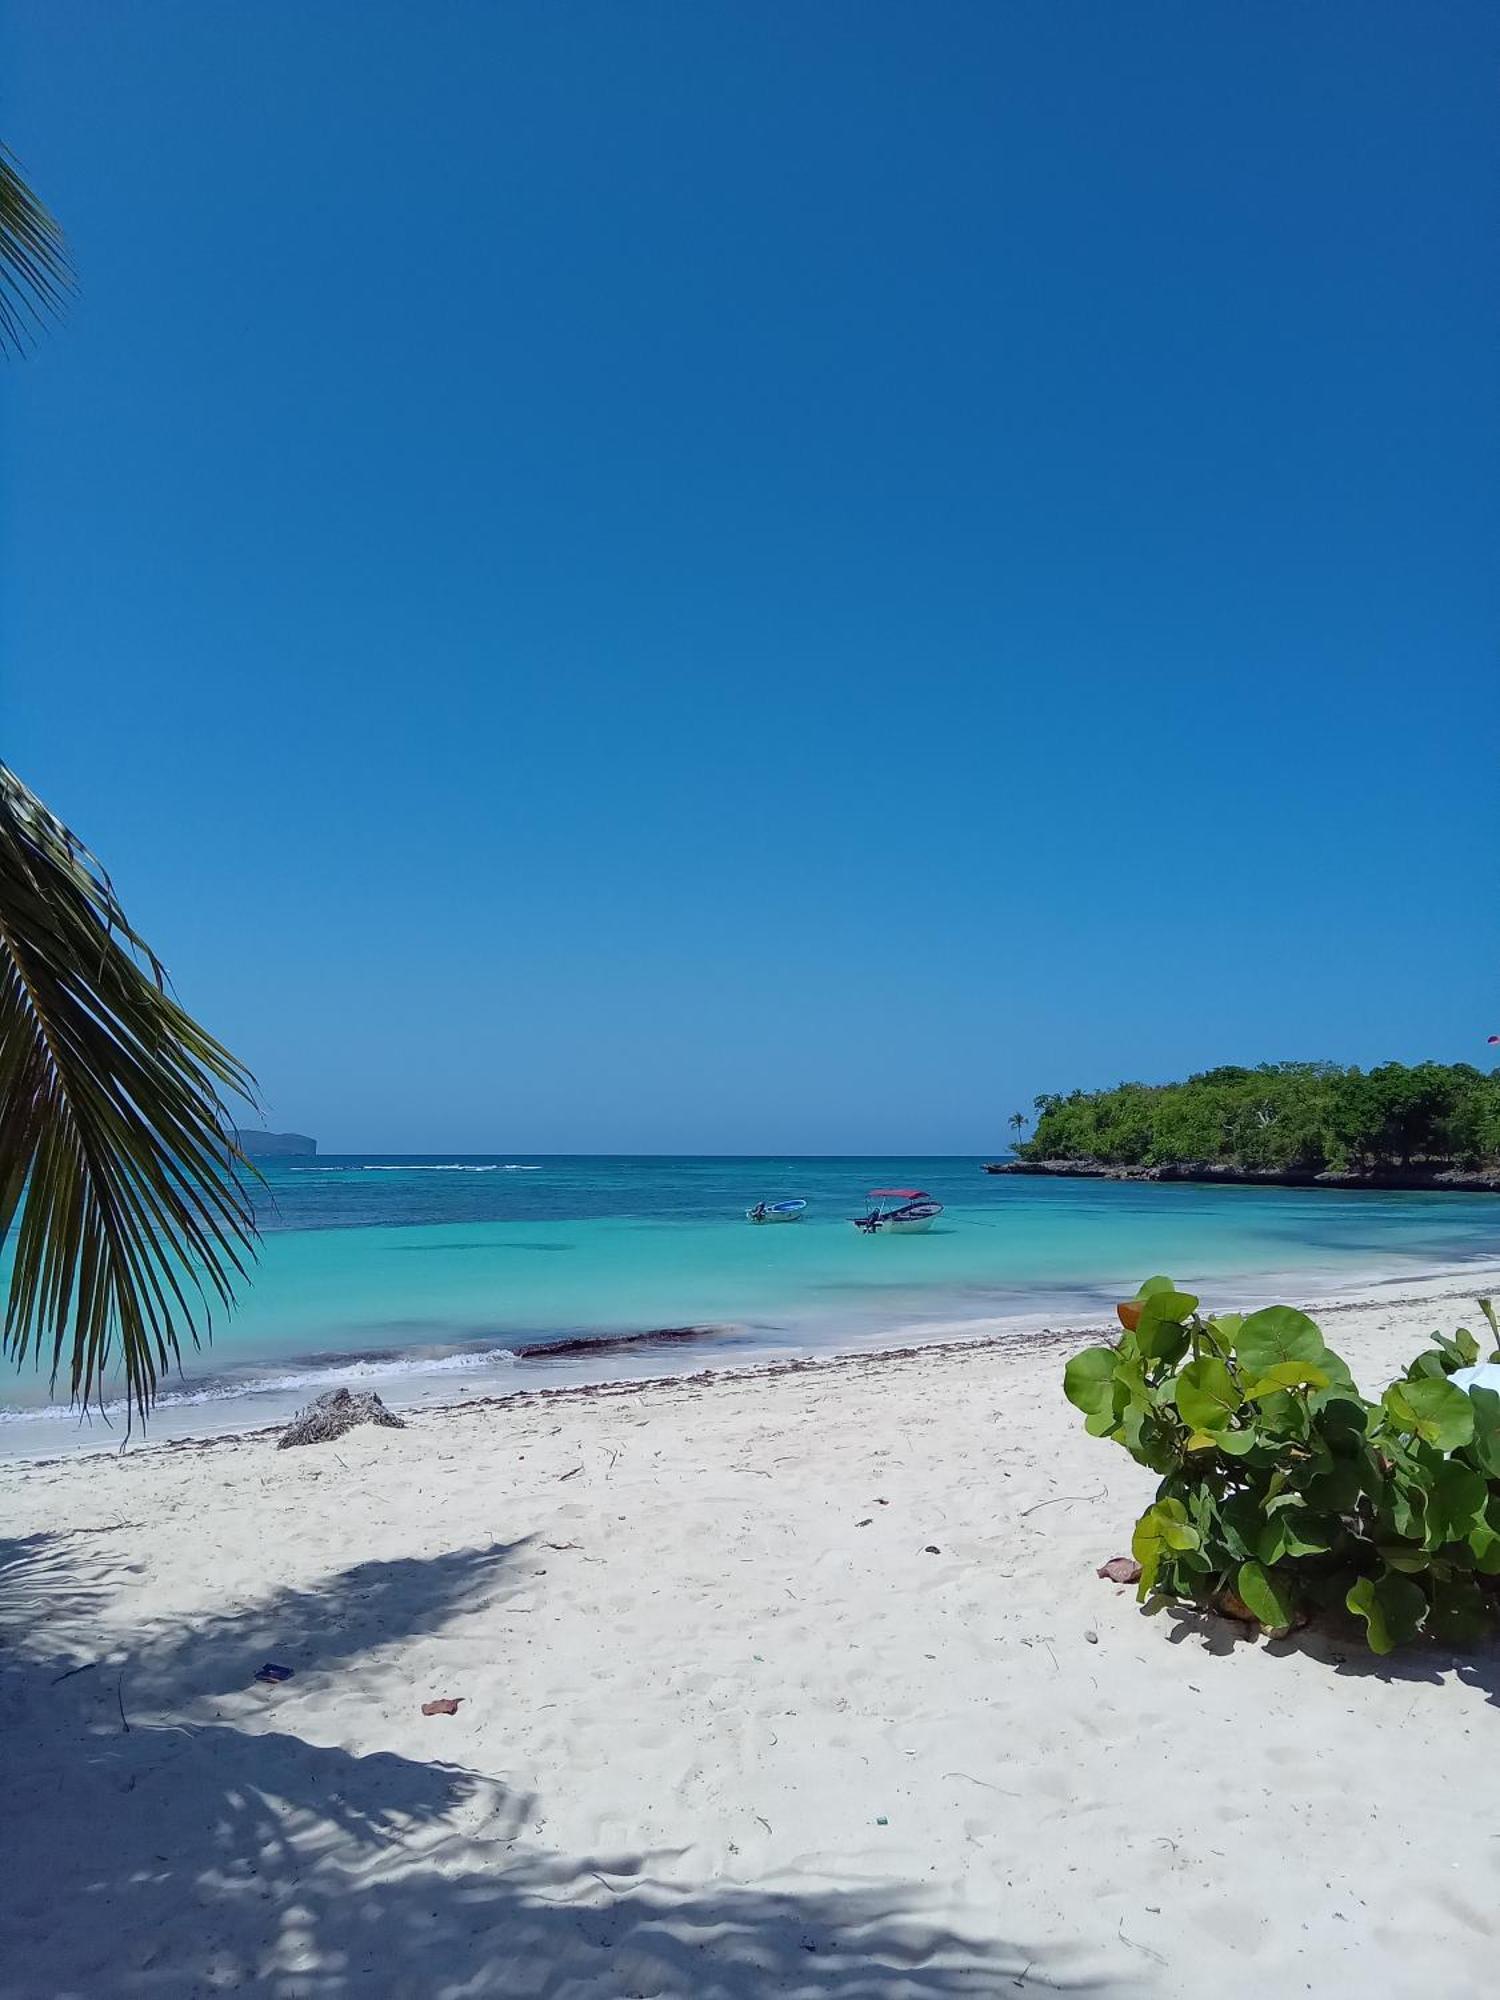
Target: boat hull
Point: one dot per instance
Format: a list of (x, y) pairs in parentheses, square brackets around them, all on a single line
[(896, 1222), (787, 1212)]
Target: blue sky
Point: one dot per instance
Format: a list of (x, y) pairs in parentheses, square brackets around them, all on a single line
[(723, 577)]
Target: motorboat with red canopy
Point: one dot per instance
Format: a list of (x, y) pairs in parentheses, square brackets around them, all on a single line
[(898, 1212)]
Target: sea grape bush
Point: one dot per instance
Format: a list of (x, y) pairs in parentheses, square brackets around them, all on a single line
[(1283, 1490)]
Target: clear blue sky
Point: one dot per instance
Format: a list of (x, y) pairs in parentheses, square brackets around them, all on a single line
[(737, 577)]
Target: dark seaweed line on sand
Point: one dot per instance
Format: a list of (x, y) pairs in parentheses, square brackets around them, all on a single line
[(714, 1378), (611, 1343), (583, 1392)]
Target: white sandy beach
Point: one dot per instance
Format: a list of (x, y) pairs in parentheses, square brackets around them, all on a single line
[(797, 1684)]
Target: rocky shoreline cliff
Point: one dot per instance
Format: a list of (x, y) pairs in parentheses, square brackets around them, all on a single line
[(1417, 1178)]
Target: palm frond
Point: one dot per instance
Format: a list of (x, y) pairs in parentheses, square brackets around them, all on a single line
[(35, 274), (118, 1165)]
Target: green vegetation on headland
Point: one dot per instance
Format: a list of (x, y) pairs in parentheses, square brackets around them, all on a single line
[(1301, 1119)]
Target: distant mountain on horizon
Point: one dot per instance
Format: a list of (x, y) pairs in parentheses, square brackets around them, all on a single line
[(273, 1145)]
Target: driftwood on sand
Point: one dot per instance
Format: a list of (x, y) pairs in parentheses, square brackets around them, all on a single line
[(333, 1414)]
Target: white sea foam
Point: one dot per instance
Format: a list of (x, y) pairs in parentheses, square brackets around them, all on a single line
[(316, 1377), (457, 1167)]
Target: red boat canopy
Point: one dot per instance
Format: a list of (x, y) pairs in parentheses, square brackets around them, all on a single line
[(906, 1194)]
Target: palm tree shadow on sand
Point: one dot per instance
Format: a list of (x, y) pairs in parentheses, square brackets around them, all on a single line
[(313, 1873)]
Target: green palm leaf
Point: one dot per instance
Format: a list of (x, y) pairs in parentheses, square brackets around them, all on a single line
[(118, 1167), (35, 276)]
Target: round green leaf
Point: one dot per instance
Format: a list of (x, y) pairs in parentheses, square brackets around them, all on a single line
[(1274, 1335), (1342, 1417), (1455, 1504), (1438, 1413), (1162, 1530), (1411, 1561), (1406, 1505), (1223, 1330), (1265, 1595), (1168, 1305), (1149, 1438), (1282, 1415), (1289, 1375), (1294, 1533), (1089, 1380), (1485, 1404), (1239, 1522), (1179, 1535), (1337, 1370), (1392, 1607), (1238, 1443), (1159, 1339), (1206, 1394)]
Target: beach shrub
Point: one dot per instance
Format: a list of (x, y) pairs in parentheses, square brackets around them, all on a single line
[(1283, 1490)]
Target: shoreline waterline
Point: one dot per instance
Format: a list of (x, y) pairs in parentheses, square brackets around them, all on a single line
[(440, 1279), (247, 1413)]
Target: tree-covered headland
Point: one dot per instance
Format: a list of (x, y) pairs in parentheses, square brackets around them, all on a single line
[(1311, 1117)]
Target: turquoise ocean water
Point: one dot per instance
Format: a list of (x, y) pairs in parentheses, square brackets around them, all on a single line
[(426, 1277)]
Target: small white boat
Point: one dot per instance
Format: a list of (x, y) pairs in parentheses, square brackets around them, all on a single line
[(776, 1211), (898, 1212)]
